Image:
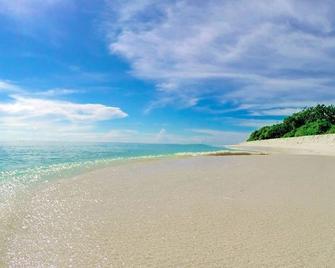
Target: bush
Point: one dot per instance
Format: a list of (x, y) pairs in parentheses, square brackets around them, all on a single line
[(290, 134), (331, 130), (313, 128), (278, 130), (310, 121)]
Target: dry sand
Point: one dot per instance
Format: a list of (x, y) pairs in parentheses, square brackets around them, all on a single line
[(235, 211), (315, 145)]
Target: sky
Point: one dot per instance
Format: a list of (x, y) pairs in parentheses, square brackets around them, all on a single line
[(187, 71)]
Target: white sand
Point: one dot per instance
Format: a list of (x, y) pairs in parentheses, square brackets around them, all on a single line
[(318, 144), (233, 211)]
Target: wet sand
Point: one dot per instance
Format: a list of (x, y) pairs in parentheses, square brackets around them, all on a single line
[(234, 211)]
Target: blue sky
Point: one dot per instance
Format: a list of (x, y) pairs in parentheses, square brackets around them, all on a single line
[(160, 71)]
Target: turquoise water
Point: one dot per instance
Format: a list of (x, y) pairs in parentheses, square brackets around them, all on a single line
[(22, 164)]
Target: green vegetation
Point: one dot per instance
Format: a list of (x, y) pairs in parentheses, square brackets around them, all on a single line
[(331, 130), (310, 121)]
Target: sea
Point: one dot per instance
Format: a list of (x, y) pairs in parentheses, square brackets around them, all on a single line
[(24, 164)]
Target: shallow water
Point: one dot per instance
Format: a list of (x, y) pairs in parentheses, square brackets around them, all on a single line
[(26, 155), (24, 165)]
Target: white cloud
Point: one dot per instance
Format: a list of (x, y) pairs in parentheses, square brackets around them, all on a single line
[(256, 51), (25, 117), (26, 107), (58, 92), (8, 86)]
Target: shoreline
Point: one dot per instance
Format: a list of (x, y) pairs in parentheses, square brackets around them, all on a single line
[(11, 207), (210, 209), (204, 211)]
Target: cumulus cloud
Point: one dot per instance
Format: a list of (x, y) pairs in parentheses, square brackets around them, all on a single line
[(26, 117), (32, 107), (244, 52)]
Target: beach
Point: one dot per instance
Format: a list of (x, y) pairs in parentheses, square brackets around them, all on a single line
[(272, 210), (173, 133), (312, 145)]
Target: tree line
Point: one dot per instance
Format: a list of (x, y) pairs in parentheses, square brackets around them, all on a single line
[(310, 121)]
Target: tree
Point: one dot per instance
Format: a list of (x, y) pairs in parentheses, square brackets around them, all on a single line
[(310, 121)]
